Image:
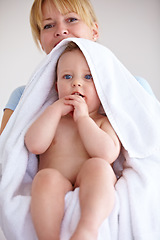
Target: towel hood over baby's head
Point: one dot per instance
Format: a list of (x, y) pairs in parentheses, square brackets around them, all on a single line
[(130, 109)]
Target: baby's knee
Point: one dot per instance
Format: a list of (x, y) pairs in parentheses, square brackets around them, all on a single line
[(46, 178), (49, 179), (99, 166)]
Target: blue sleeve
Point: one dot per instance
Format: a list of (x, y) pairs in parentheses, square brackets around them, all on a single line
[(145, 85), (14, 98)]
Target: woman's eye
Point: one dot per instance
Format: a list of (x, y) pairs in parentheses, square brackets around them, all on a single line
[(67, 76), (47, 26), (88, 76), (72, 19)]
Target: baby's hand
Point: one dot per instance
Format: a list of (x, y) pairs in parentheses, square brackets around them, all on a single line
[(62, 107), (80, 108)]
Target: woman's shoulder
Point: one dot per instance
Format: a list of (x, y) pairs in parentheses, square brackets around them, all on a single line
[(143, 82), (18, 91), (14, 98)]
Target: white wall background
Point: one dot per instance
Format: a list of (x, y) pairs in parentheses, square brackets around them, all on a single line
[(130, 28)]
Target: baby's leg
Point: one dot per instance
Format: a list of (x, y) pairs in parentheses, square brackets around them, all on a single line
[(47, 203), (96, 180)]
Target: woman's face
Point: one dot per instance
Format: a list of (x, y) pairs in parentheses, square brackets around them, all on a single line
[(56, 27)]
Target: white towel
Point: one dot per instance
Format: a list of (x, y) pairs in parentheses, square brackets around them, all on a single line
[(135, 116)]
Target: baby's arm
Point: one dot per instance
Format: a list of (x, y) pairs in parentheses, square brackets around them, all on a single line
[(41, 133), (99, 142)]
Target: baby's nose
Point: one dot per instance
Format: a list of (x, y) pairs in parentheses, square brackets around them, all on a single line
[(77, 82)]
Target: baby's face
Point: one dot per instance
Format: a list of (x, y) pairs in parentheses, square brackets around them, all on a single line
[(74, 77)]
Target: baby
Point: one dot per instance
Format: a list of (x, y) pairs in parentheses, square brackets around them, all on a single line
[(76, 147)]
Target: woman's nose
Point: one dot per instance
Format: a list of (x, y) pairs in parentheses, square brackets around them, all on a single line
[(61, 31)]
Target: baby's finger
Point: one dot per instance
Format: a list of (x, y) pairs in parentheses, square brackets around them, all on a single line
[(75, 97)]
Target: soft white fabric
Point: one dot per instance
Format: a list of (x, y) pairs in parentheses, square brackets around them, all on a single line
[(135, 116)]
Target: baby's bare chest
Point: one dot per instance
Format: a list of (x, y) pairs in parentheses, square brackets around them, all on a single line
[(67, 137)]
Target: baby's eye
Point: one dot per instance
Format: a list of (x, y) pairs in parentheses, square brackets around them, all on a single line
[(67, 76), (72, 19), (88, 76), (47, 26)]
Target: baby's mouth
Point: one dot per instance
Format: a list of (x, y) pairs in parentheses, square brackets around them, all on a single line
[(78, 94)]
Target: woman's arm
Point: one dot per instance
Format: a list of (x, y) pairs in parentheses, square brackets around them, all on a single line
[(11, 105), (6, 116)]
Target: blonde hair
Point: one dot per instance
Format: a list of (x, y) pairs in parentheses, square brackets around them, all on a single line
[(81, 7)]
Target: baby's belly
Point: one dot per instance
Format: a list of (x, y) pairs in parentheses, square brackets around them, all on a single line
[(68, 167)]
